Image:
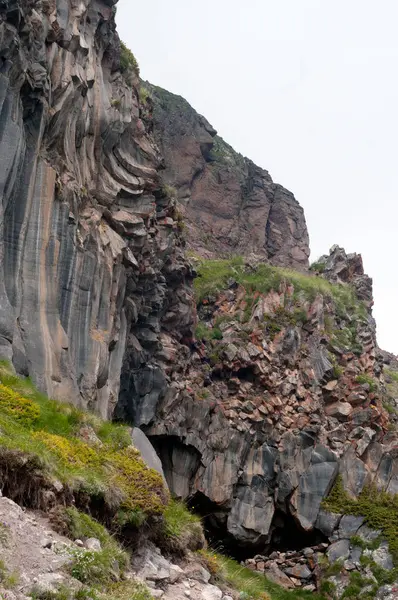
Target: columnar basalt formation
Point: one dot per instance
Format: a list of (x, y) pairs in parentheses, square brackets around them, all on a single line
[(90, 259)]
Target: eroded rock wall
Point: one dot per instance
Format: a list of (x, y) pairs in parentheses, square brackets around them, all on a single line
[(277, 401), (88, 249), (230, 205)]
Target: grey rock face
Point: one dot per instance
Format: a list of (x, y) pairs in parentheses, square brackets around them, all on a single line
[(147, 451), (87, 239), (339, 550), (230, 204), (349, 526)]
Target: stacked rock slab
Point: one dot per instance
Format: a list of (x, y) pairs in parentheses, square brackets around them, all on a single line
[(260, 424)]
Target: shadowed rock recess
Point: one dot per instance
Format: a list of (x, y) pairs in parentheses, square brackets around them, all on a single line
[(152, 274)]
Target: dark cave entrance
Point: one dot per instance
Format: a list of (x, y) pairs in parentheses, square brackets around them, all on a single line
[(286, 534), (180, 463)]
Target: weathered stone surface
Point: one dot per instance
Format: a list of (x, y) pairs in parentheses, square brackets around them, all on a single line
[(339, 550), (349, 526), (382, 557), (83, 248), (314, 485), (147, 451), (273, 573), (229, 203), (327, 522), (354, 473)]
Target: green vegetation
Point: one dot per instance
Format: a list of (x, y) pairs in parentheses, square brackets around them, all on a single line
[(7, 579), (125, 590), (79, 525), (145, 94), (379, 509), (128, 62), (318, 266), (346, 339), (3, 534), (64, 593), (359, 587), (48, 432), (170, 192), (365, 379), (250, 584), (224, 154), (181, 529), (213, 277), (392, 374), (94, 568)]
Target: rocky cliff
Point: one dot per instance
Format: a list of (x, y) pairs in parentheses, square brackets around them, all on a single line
[(229, 204), (283, 393), (88, 250), (259, 382)]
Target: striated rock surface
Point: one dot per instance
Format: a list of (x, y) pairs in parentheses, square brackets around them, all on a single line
[(89, 257), (229, 204)]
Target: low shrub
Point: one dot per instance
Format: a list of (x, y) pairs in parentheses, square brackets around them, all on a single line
[(127, 60), (379, 509), (247, 583), (364, 378), (97, 567), (16, 406), (214, 275), (181, 529), (111, 469)]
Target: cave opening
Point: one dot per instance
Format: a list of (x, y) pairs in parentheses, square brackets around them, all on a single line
[(288, 535), (180, 463), (285, 535)]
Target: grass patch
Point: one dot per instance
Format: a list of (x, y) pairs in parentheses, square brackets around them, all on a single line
[(392, 374), (128, 62), (64, 593), (318, 267), (8, 579), (365, 379), (112, 469), (379, 509), (250, 584), (213, 276), (97, 568), (181, 529)]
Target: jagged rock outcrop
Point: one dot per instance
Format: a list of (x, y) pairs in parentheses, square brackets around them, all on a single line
[(283, 393), (89, 257), (229, 204)]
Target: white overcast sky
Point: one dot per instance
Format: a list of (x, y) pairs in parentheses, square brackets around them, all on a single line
[(308, 89)]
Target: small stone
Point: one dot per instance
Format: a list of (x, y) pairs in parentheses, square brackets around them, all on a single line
[(339, 551), (211, 592), (93, 544), (176, 573), (299, 572), (79, 543), (187, 593)]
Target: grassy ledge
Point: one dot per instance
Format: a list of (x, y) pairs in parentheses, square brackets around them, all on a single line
[(379, 509), (52, 441), (213, 277)]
